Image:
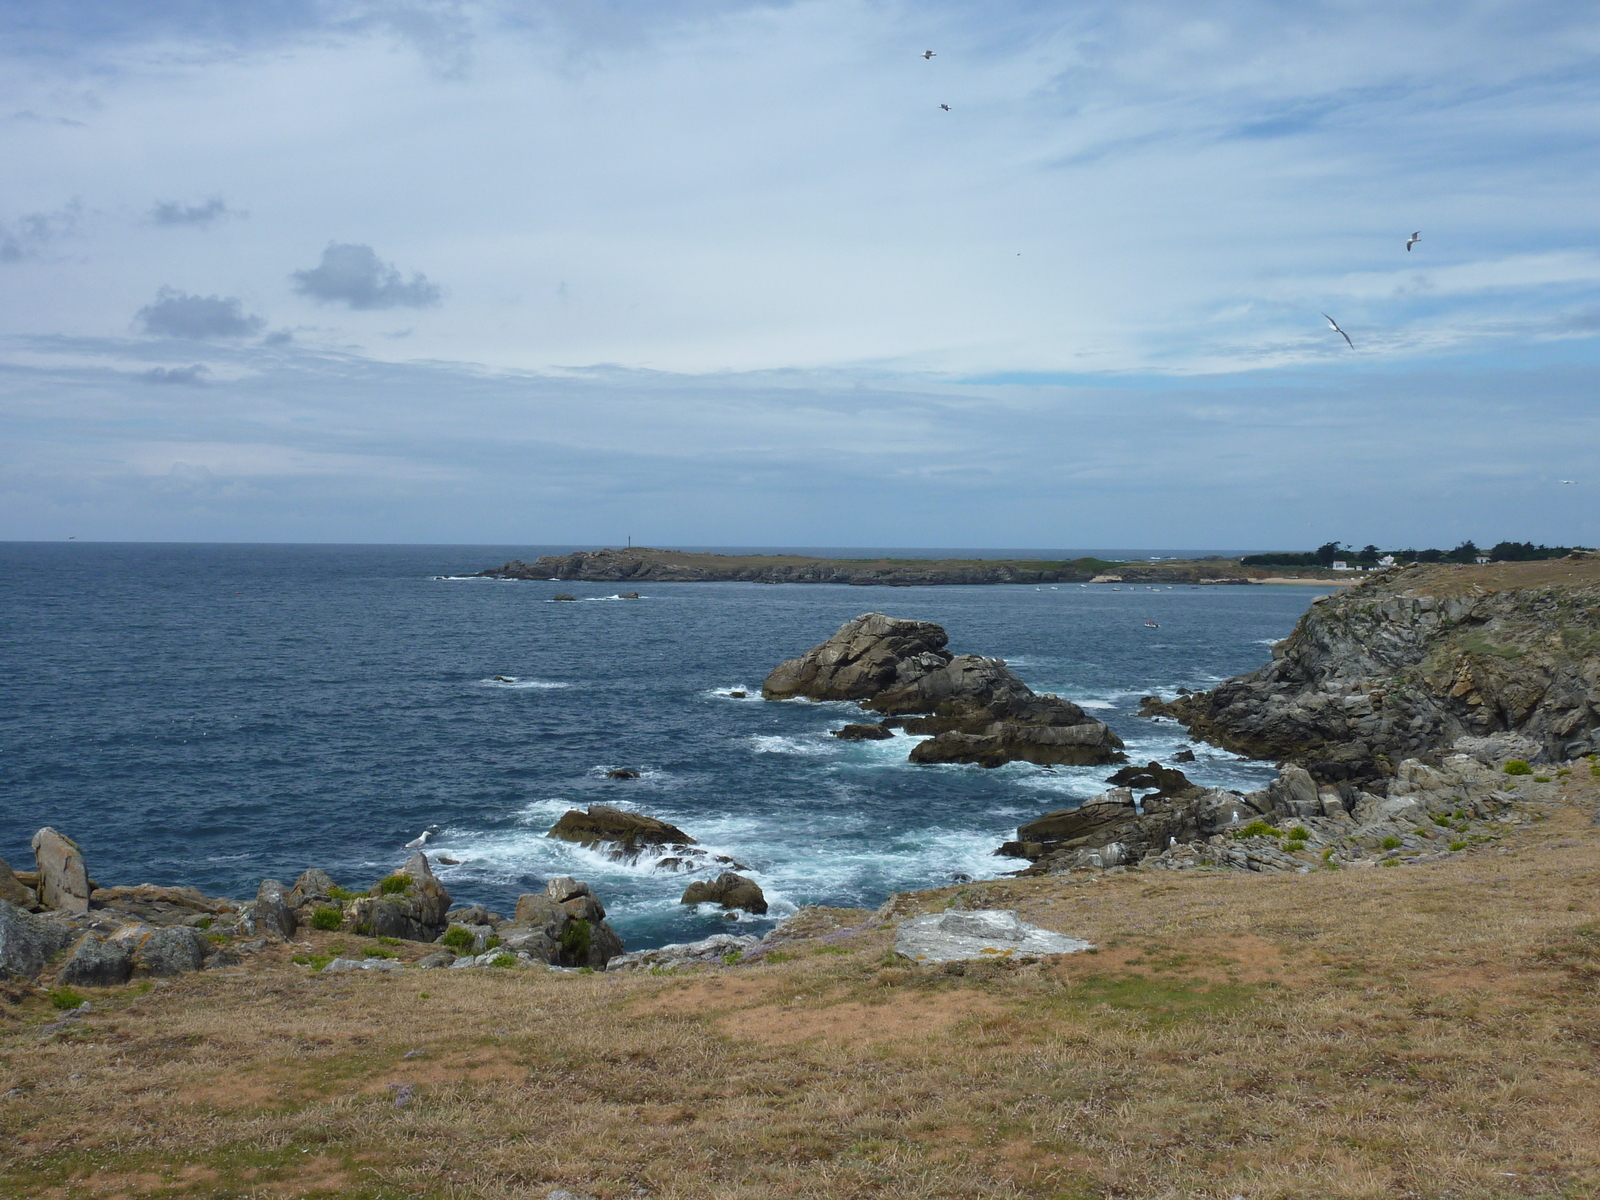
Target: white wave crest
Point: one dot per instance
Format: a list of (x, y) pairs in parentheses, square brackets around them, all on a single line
[(777, 744)]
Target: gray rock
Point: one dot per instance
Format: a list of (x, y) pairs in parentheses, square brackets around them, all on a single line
[(727, 890), (312, 885), (564, 887), (1294, 793), (95, 962), (14, 890), (271, 916), (171, 951), (563, 1194), (473, 914), (29, 942), (684, 954), (989, 933), (63, 878), (439, 958), (362, 964), (418, 914), (621, 833)]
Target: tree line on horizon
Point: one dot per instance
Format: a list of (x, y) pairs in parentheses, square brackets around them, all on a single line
[(1328, 553)]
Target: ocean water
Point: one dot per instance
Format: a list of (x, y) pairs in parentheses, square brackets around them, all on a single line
[(215, 714)]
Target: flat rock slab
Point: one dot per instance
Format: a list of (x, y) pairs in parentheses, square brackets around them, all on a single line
[(995, 933)]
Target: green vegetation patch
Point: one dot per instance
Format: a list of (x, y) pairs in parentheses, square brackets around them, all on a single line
[(457, 938), (1257, 829), (1161, 1001), (65, 998), (395, 884), (576, 937), (1517, 767), (1477, 643), (1390, 843), (327, 918)]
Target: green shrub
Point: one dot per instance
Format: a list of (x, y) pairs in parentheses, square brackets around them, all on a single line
[(490, 942), (503, 960), (327, 918), (65, 997), (575, 939), (388, 941), (1541, 779), (1441, 819), (363, 929), (1257, 829), (204, 923), (378, 952), (1391, 842), (1299, 834), (1390, 862), (1458, 845), (731, 957), (1517, 767), (303, 959), (338, 893), (395, 884), (457, 938)]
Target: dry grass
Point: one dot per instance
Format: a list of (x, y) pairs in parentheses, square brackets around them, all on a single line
[(1425, 1031)]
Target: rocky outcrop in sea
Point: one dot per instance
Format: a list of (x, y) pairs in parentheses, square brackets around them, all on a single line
[(978, 710), (1413, 659)]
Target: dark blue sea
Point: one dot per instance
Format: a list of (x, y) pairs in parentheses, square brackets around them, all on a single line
[(214, 714)]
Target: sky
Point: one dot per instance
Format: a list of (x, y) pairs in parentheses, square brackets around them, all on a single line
[(730, 272)]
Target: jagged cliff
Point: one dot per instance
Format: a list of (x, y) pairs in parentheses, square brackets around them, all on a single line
[(1414, 658)]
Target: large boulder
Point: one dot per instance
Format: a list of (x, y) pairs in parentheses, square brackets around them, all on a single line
[(977, 708), (28, 942), (988, 933), (96, 962), (411, 904), (160, 905), (867, 656), (564, 926), (171, 951), (271, 916), (623, 833), (313, 885), (13, 890), (63, 878), (727, 890)]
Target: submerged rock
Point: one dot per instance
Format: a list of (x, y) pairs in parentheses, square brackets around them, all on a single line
[(863, 733), (728, 890), (978, 710), (988, 933), (625, 834)]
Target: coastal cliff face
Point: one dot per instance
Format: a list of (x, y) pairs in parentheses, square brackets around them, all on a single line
[(1411, 660)]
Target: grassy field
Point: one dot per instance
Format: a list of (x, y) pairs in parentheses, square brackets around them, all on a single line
[(1426, 1031)]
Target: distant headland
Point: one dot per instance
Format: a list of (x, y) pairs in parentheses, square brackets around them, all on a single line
[(643, 565)]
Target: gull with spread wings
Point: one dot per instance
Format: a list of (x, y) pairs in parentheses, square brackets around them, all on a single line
[(1413, 240), (1339, 331)]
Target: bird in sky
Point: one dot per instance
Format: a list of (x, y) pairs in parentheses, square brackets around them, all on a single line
[(946, 107), (1569, 481), (1339, 331), (927, 54), (1413, 240)]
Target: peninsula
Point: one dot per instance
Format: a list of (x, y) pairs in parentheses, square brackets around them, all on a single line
[(642, 565)]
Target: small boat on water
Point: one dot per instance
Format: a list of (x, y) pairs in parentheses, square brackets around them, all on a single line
[(1151, 625)]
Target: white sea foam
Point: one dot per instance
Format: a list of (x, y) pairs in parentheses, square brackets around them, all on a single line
[(1094, 704), (726, 693), (516, 683), (763, 743)]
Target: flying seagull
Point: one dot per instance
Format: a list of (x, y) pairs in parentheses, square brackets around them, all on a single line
[(927, 54), (1569, 481), (946, 107), (1413, 240), (1339, 331)]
